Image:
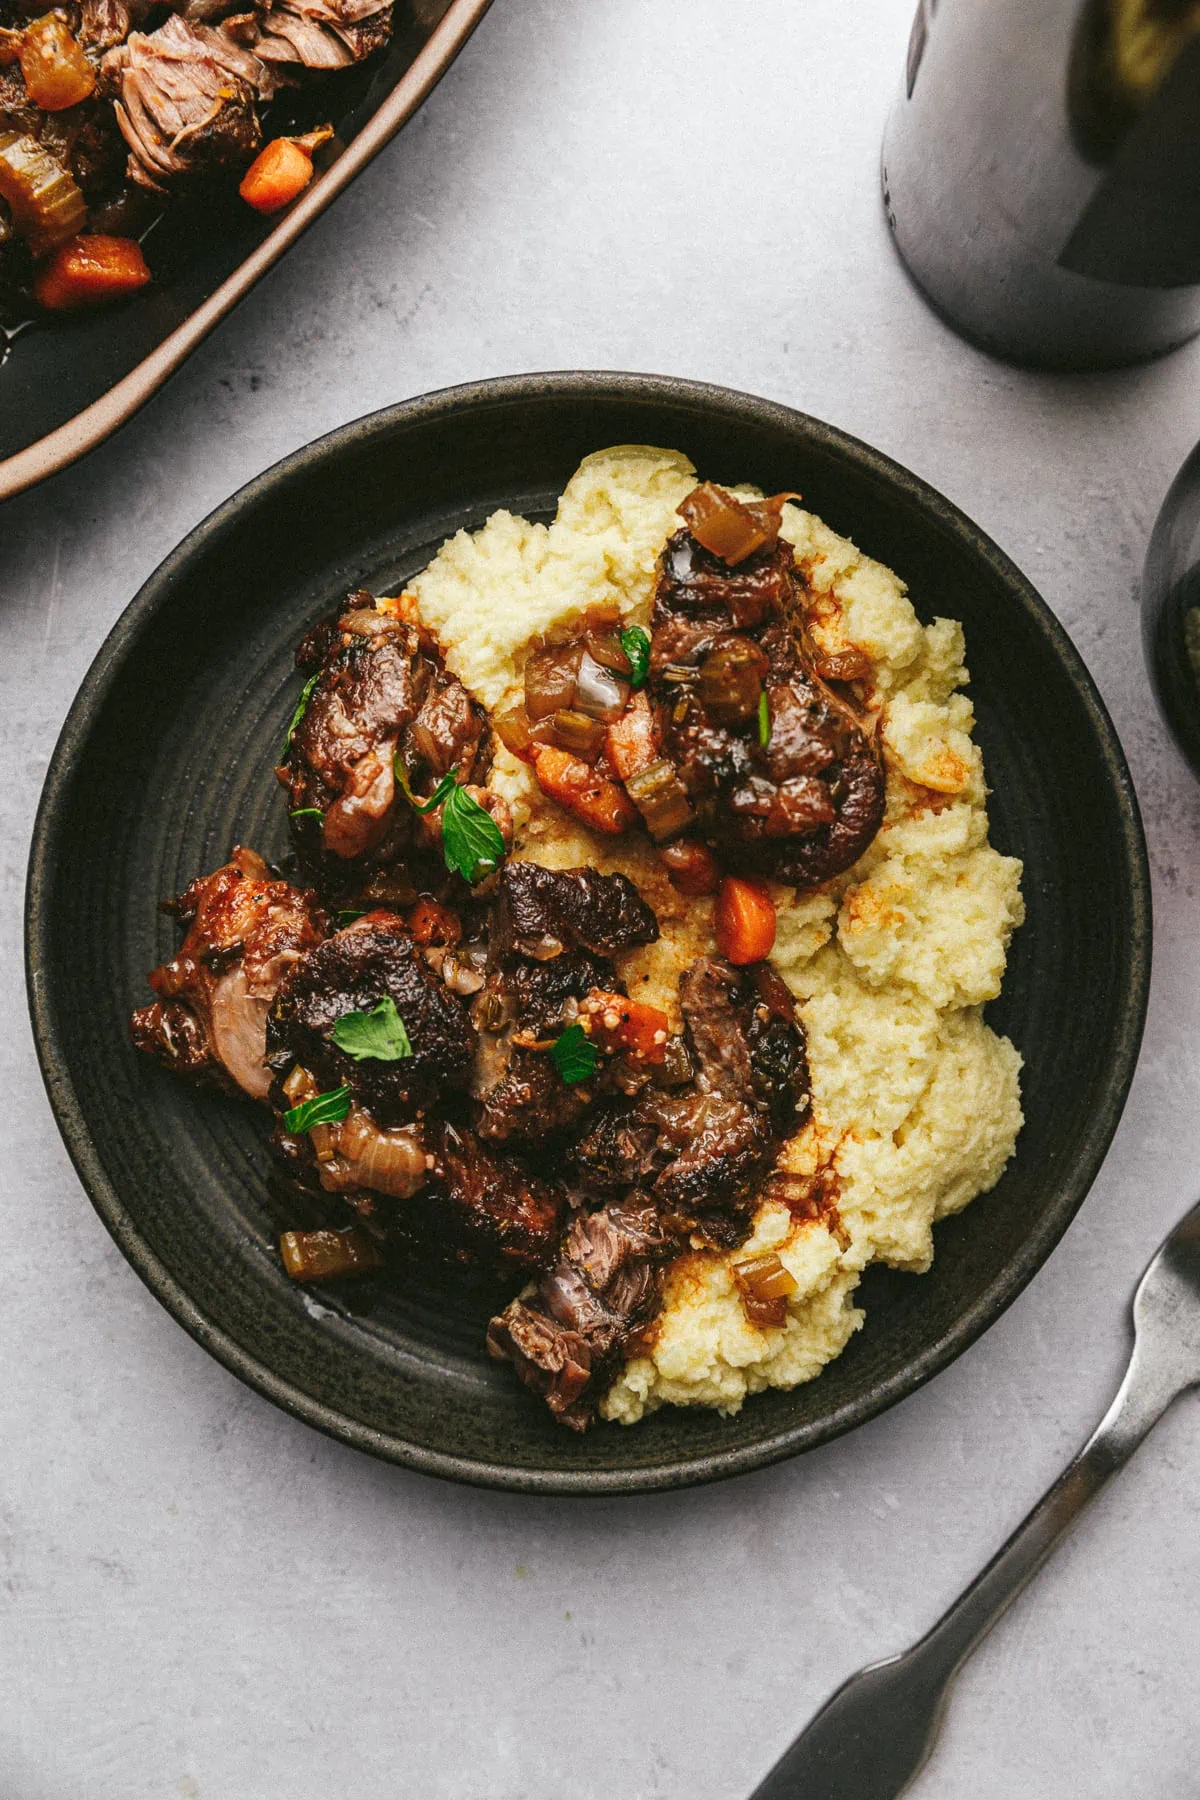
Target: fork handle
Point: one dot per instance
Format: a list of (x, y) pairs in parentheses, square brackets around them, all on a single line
[(872, 1736)]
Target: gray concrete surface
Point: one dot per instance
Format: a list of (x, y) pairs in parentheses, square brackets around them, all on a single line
[(201, 1598)]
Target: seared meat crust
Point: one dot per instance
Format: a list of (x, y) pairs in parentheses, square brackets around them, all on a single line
[(373, 958), (540, 912)]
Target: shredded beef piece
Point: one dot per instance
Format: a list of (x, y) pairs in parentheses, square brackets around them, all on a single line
[(540, 912), (323, 34), (803, 806), (186, 102), (245, 932), (568, 1337), (373, 958)]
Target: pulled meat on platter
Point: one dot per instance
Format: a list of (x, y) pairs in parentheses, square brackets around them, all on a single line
[(245, 931), (446, 1037), (746, 750), (105, 104)]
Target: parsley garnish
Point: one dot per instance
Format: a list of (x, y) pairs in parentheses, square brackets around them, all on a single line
[(322, 1109), (377, 1036), (574, 1055), (307, 812), (764, 719), (347, 915), (306, 694), (636, 644), (471, 840)]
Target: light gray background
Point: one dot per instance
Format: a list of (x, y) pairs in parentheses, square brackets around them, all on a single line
[(201, 1597)]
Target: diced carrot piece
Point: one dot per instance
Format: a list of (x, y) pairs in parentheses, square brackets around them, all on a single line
[(87, 271), (744, 920), (432, 923), (590, 798), (618, 1023), (278, 173), (632, 743), (328, 1255)]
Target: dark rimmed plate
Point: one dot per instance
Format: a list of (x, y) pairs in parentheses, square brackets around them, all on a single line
[(65, 385), (166, 758)]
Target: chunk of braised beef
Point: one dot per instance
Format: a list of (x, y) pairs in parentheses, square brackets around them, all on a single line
[(244, 931), (567, 1339), (530, 1103), (703, 1148), (382, 697), (487, 1204), (537, 992), (541, 912), (372, 959), (784, 778)]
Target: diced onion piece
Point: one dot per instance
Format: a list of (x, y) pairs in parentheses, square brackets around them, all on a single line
[(692, 867), (579, 734), (57, 73), (764, 1285), (729, 528), (606, 647), (598, 692), (744, 921), (550, 677), (87, 271), (45, 201), (512, 728), (731, 680), (328, 1255), (661, 798)]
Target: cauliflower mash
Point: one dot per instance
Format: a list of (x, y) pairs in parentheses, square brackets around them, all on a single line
[(916, 1101)]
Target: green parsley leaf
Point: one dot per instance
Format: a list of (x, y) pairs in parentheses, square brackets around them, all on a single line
[(471, 839), (440, 792), (764, 719), (574, 1055), (377, 1036), (306, 694), (347, 915), (322, 1109), (636, 644), (307, 812)]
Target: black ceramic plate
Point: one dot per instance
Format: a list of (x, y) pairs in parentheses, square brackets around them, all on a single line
[(166, 758), (66, 383)]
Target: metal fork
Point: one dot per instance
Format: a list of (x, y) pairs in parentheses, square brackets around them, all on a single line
[(869, 1740)]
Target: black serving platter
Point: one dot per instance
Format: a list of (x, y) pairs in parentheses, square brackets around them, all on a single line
[(67, 382), (166, 759)]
